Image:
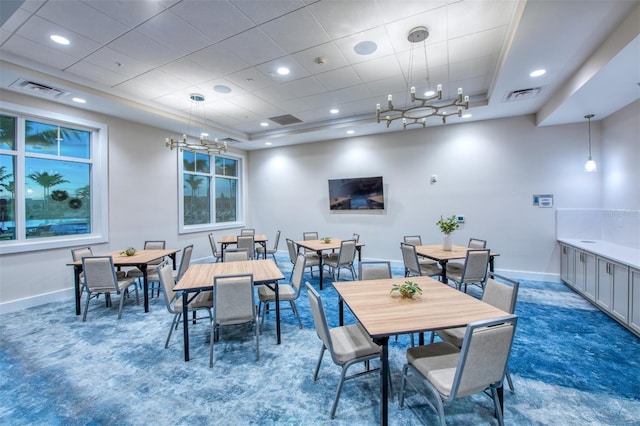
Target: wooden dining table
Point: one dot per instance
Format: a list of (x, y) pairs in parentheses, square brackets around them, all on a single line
[(437, 253), (319, 246), (199, 277), (383, 314), (227, 240), (139, 259)]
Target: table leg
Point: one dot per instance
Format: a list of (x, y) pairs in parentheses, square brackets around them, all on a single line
[(319, 253), (77, 270), (222, 247), (491, 263), (341, 310), (277, 291), (443, 274), (185, 324), (145, 285), (384, 379), (173, 258), (359, 250)]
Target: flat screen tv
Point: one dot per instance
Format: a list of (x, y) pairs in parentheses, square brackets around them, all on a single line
[(363, 193)]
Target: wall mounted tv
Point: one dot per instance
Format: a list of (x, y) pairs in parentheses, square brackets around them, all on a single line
[(356, 194)]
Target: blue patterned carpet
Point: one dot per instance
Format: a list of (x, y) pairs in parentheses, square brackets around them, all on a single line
[(571, 364)]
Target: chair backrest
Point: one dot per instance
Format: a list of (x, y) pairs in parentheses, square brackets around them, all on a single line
[(293, 253), (214, 246), (155, 245), (99, 273), (410, 258), (476, 243), (414, 240), (356, 237), (185, 261), (235, 255), (298, 273), (310, 236), (501, 295), (347, 252), (247, 231), (476, 266), (276, 241), (319, 318), (370, 270), (484, 355), (79, 253), (234, 299), (247, 242), (166, 282)]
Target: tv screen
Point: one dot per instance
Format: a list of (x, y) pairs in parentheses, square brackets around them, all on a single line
[(356, 194)]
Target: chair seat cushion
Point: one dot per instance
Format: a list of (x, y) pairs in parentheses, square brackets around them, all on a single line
[(430, 269), (453, 335), (267, 295), (350, 342), (437, 362), (201, 301)]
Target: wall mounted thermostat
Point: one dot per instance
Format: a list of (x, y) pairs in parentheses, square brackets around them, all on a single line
[(460, 218)]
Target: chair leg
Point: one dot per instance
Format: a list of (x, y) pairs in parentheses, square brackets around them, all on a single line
[(496, 404), (257, 332), (338, 391), (213, 333), (86, 307), (173, 324), (510, 382), (121, 303), (315, 373), (262, 310), (403, 381), (295, 311)]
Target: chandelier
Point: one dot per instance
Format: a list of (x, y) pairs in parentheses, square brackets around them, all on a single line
[(421, 107), (197, 125), (590, 165)]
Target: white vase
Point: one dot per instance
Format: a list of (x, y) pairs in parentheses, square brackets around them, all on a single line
[(447, 243)]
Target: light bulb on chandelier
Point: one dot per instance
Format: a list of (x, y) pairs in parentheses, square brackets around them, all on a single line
[(423, 107), (590, 165)]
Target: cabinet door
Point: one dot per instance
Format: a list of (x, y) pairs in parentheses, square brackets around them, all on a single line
[(590, 275), (567, 264), (620, 287), (603, 289), (634, 300), (581, 271)]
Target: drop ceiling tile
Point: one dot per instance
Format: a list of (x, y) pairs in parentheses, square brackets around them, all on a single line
[(18, 18), (171, 31), (260, 11), (296, 71), (148, 51), (376, 69), (37, 52), (436, 22), (218, 20), (377, 35), (296, 31), (188, 71), (114, 61), (250, 79), (349, 18), (332, 56), (130, 13), (477, 45), (339, 78), (96, 74), (471, 17), (253, 46), (219, 59)]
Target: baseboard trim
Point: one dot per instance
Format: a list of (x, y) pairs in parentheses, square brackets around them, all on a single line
[(65, 296)]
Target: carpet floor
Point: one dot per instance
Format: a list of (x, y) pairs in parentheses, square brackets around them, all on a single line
[(571, 365)]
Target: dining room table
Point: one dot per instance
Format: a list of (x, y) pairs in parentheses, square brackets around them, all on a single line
[(139, 259), (325, 244), (227, 240), (383, 313), (199, 278), (442, 256)]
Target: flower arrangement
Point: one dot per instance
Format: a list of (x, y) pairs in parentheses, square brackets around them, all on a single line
[(408, 289), (448, 225)]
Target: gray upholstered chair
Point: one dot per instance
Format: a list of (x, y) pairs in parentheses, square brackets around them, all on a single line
[(501, 294), (235, 255), (247, 242), (153, 275), (416, 240), (474, 243), (374, 270), (77, 254), (202, 302), (356, 237), (247, 231), (100, 278), (412, 265), (234, 305), (450, 373), (348, 345), (287, 292), (476, 267), (217, 254), (342, 260), (311, 259), (151, 266), (272, 251)]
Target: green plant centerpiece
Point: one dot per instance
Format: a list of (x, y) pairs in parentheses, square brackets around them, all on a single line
[(447, 226), (130, 251), (326, 240), (408, 289)]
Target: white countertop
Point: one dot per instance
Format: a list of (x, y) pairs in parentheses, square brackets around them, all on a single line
[(626, 255)]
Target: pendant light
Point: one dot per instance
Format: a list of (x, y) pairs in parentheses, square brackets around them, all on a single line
[(590, 165)]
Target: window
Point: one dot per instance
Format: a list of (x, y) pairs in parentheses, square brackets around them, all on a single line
[(211, 196), (51, 175)]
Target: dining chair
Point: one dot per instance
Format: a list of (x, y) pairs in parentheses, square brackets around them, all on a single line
[(235, 255), (151, 266), (356, 237), (217, 254), (247, 242), (153, 275), (272, 251), (450, 373), (412, 265), (501, 294), (286, 292), (100, 278), (476, 267), (348, 345), (248, 231), (173, 300), (234, 305), (374, 270), (414, 240), (474, 243), (78, 253), (342, 260), (311, 259)]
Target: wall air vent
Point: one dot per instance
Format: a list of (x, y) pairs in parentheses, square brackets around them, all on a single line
[(283, 120), (38, 89), (519, 95)]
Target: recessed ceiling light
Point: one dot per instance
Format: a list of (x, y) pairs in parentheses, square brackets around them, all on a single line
[(221, 88), (365, 47), (79, 100), (334, 110), (538, 73), (264, 124), (350, 132), (283, 70), (466, 116), (204, 134), (429, 93), (59, 39), (268, 143)]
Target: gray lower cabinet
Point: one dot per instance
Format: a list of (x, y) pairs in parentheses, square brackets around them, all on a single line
[(567, 264), (634, 300), (585, 279), (612, 292)]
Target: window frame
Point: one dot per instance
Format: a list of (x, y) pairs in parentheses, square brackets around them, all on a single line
[(99, 182), (241, 196)]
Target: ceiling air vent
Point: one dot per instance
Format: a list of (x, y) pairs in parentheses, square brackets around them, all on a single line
[(38, 89), (519, 95), (283, 120), (229, 141)]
